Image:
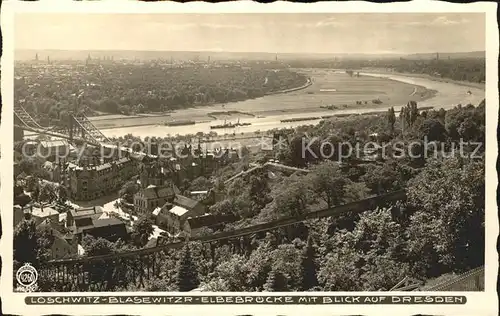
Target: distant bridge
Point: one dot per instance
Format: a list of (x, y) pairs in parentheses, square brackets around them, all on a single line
[(77, 127)]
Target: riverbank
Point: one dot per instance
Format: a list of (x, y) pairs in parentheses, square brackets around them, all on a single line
[(107, 116), (306, 104), (349, 94), (426, 76), (307, 84)]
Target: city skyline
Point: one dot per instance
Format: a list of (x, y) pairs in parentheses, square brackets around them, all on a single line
[(370, 33)]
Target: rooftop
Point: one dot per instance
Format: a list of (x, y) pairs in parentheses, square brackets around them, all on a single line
[(156, 211), (158, 192), (86, 212), (177, 210), (185, 202), (51, 225), (45, 212), (198, 192), (98, 223), (107, 222), (153, 242), (112, 163), (53, 143)]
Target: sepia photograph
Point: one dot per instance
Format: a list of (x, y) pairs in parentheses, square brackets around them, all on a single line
[(248, 152)]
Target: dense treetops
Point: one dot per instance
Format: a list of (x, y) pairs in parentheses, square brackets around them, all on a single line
[(464, 69), (127, 89)]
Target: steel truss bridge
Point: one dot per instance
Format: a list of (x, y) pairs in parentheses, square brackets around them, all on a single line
[(76, 127), (102, 273)]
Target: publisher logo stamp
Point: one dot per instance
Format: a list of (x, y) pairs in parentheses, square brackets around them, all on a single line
[(26, 277)]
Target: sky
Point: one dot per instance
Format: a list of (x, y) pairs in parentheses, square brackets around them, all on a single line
[(379, 33)]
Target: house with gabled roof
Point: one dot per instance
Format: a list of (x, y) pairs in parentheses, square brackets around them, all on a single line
[(93, 221), (146, 200), (64, 243), (41, 213), (173, 216)]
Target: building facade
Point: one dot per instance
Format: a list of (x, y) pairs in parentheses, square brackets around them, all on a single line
[(93, 221), (173, 217), (146, 200), (86, 183)]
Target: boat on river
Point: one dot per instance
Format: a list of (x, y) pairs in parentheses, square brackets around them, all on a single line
[(229, 125)]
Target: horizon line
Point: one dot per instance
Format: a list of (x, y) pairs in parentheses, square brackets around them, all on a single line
[(249, 52)]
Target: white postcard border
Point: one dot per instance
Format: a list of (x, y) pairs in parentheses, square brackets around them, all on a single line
[(478, 303)]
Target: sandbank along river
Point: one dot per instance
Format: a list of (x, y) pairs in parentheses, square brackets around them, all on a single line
[(448, 95)]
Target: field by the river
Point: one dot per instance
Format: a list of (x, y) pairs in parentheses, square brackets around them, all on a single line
[(337, 90)]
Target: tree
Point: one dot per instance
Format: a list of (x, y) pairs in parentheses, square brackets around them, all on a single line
[(469, 129), (47, 193), (187, 274), (308, 266), (62, 194), (97, 247), (27, 165), (143, 228), (128, 191), (408, 115), (22, 200), (31, 245), (109, 106), (449, 197), (357, 258), (355, 191), (245, 151), (433, 129), (301, 151), (467, 123), (238, 206), (25, 244), (391, 119), (225, 206), (230, 275), (424, 232), (381, 179), (292, 199), (18, 190), (276, 282), (328, 181), (157, 285), (33, 185), (200, 183), (259, 191), (339, 270)]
